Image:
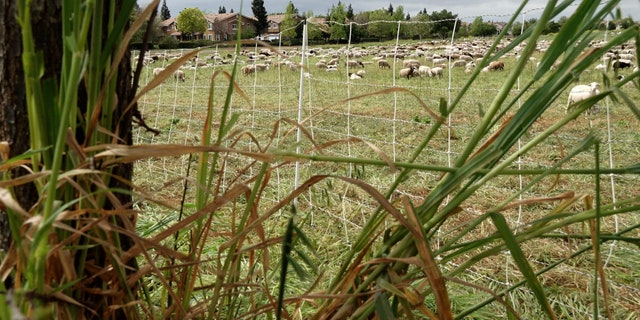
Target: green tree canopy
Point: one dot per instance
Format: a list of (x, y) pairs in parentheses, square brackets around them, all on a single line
[(479, 28), (381, 30), (260, 13), (289, 22), (444, 22), (191, 21), (338, 18), (420, 29), (164, 11)]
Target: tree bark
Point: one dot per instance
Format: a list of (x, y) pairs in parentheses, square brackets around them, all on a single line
[(14, 127), (14, 124)]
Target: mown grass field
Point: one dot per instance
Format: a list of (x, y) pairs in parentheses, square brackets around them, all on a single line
[(389, 125)]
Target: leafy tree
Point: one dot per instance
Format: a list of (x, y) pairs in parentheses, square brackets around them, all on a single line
[(337, 18), (164, 11), (479, 28), (260, 13), (381, 30), (422, 29), (516, 28), (444, 22), (191, 21), (552, 27), (349, 12), (289, 22)]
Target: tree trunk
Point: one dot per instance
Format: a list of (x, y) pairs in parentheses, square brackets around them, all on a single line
[(14, 124), (14, 128)]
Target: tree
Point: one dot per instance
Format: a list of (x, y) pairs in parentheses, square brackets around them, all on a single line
[(222, 9), (444, 22), (43, 47), (289, 22), (390, 9), (164, 11), (479, 28), (381, 30), (349, 12), (260, 13), (191, 21), (337, 19), (420, 29)]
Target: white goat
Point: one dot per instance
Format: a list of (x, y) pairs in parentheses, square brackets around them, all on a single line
[(582, 92)]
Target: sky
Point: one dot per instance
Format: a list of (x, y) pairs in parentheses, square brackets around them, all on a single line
[(467, 10)]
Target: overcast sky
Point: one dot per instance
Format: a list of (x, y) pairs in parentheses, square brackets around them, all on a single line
[(495, 10)]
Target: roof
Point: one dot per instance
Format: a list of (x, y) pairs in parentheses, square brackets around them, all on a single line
[(168, 22), (215, 17), (277, 18)]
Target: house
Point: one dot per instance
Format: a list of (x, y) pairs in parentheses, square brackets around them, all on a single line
[(224, 26), (274, 21), (169, 27), (220, 27)]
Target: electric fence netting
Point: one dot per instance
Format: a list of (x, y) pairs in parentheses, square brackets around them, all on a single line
[(354, 101)]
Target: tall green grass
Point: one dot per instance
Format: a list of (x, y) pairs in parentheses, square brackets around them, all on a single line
[(224, 252)]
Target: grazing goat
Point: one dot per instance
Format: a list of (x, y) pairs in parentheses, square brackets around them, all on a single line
[(582, 92)]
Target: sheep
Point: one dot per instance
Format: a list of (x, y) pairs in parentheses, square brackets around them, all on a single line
[(424, 71), (358, 75), (261, 67), (411, 63), (459, 63), (439, 61), (333, 62), (179, 74), (437, 72), (156, 71), (353, 63), (332, 67), (582, 92), (496, 65), (248, 69), (407, 72), (622, 64), (321, 65), (383, 64)]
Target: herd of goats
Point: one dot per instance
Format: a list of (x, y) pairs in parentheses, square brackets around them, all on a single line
[(417, 60)]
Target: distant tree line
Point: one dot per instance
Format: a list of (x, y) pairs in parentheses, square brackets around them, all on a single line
[(342, 24)]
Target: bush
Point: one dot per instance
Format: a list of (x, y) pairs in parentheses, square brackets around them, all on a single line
[(194, 44), (168, 43)]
